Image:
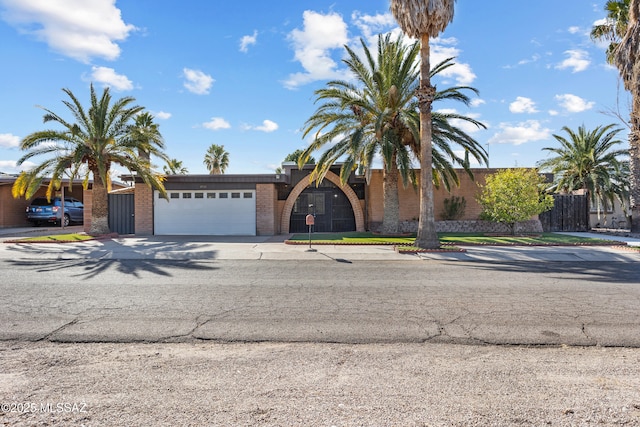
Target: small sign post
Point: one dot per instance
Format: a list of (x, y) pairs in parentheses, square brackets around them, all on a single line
[(310, 221)]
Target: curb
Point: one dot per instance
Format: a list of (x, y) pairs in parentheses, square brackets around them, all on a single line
[(93, 238)]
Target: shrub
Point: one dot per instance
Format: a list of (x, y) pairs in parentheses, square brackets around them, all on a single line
[(454, 208), (513, 195)]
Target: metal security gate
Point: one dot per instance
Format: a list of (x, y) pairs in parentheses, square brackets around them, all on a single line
[(330, 207), (570, 213), (121, 213)]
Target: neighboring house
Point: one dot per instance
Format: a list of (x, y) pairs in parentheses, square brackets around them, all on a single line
[(609, 216), (270, 204), (12, 211)]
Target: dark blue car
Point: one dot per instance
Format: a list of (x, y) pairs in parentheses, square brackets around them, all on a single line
[(42, 211)]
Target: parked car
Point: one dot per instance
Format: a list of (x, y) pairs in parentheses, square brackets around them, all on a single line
[(42, 211)]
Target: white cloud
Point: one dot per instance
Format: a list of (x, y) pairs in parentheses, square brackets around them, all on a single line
[(523, 105), (162, 115), (524, 132), (109, 77), (573, 103), (9, 141), (577, 61), (217, 123), (267, 126), (197, 82), (372, 25), (247, 41), (11, 166), (464, 125), (80, 29), (442, 49), (476, 102), (313, 45)]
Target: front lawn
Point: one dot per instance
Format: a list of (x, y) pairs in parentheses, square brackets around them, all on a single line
[(367, 238), (56, 238)]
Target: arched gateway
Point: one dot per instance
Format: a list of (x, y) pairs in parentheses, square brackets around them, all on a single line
[(337, 207)]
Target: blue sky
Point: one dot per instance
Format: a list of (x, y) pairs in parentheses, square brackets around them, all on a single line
[(243, 74)]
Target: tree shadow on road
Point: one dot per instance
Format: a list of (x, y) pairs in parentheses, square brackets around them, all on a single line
[(604, 272), (155, 257)]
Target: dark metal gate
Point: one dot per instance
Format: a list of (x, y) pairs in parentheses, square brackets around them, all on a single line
[(121, 213), (570, 213), (330, 207)]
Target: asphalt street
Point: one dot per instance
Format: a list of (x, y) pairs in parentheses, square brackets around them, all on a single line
[(186, 289), (250, 331)]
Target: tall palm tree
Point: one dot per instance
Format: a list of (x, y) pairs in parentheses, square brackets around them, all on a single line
[(614, 27), (216, 159), (368, 118), (424, 19), (627, 60), (144, 134), (174, 167), (378, 114), (87, 147), (589, 161)]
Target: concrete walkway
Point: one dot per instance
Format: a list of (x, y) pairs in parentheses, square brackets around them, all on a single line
[(274, 248)]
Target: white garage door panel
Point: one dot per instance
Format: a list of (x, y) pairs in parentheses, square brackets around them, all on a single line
[(206, 216)]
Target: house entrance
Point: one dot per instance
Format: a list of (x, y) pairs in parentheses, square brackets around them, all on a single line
[(329, 205)]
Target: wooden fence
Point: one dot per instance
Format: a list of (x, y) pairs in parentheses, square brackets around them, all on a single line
[(570, 213)]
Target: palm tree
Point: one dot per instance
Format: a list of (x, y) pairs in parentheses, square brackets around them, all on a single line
[(174, 167), (423, 19), (614, 27), (294, 156), (99, 137), (626, 59), (588, 161), (369, 118), (217, 159), (145, 133), (379, 115)]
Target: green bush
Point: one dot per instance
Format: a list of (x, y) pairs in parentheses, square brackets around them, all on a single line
[(513, 195), (454, 208)]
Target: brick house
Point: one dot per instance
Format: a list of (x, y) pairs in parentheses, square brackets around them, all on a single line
[(271, 204)]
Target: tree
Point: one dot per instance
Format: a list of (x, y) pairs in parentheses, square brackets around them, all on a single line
[(423, 19), (359, 120), (588, 161), (627, 59), (216, 159), (87, 147), (295, 156), (378, 114), (174, 167), (613, 28), (513, 195)]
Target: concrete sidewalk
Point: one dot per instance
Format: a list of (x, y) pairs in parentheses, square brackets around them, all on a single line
[(274, 248)]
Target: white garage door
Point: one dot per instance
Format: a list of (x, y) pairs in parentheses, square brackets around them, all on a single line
[(224, 212)]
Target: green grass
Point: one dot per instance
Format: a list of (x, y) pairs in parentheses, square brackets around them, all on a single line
[(353, 238), (56, 238), (366, 238)]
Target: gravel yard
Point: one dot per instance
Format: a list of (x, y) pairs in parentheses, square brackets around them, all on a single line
[(247, 384)]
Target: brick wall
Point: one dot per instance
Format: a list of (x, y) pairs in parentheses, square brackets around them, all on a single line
[(266, 209), (410, 197), (143, 209), (12, 211)]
